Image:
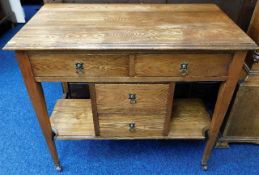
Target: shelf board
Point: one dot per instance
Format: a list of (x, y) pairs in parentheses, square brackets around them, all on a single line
[(72, 119), (189, 119)]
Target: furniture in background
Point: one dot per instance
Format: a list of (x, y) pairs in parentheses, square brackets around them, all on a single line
[(242, 125), (132, 67), (31, 2), (5, 22), (14, 10), (105, 1), (3, 16)]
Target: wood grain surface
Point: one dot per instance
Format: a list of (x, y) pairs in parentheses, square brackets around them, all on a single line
[(72, 117), (114, 98), (244, 116), (129, 79), (130, 26), (202, 65), (54, 64), (128, 67), (253, 80), (242, 123), (189, 119), (94, 108), (37, 97), (225, 94), (85, 32), (117, 125), (169, 108)]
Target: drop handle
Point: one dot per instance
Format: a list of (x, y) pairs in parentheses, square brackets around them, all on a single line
[(132, 127), (184, 69), (79, 67), (256, 56), (133, 98)]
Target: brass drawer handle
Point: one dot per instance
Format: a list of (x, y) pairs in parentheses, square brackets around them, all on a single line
[(132, 98), (132, 127), (184, 69), (256, 56), (79, 67)]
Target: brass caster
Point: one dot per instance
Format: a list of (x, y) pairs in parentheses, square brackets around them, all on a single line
[(222, 144), (204, 167), (58, 168)]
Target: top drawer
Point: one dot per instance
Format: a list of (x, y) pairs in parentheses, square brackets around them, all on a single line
[(201, 65), (54, 64)]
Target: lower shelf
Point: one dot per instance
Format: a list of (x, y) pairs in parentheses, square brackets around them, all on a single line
[(72, 119), (190, 119)]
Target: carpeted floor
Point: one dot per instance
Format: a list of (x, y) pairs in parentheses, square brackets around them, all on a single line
[(23, 150)]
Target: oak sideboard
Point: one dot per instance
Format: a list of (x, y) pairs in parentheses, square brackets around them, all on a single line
[(132, 56)]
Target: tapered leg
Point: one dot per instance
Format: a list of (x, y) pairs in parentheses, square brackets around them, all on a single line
[(223, 100), (37, 97)]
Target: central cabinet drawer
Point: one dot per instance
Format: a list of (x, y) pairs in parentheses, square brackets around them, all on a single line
[(117, 125), (202, 65), (56, 64), (132, 98)]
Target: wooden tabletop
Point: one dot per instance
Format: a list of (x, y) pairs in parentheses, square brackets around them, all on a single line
[(140, 27)]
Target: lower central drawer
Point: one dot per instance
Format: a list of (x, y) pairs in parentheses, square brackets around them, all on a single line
[(132, 98), (119, 125)]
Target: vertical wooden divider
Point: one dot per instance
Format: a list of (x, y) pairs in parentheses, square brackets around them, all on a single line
[(169, 109), (94, 109)]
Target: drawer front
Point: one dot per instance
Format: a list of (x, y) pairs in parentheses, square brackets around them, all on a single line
[(116, 125), (202, 65), (132, 98), (76, 65)]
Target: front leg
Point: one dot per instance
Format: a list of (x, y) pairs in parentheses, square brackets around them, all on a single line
[(38, 101), (223, 100)]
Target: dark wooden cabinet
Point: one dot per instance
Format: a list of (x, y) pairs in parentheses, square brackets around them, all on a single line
[(5, 24), (1, 12), (31, 1), (243, 124), (106, 1)]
